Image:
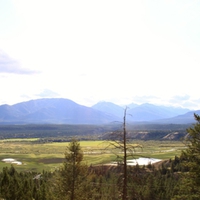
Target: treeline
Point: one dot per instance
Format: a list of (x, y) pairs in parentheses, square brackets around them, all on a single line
[(95, 183), (53, 130), (62, 133), (24, 185)]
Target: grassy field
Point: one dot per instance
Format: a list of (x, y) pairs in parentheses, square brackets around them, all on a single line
[(49, 156)]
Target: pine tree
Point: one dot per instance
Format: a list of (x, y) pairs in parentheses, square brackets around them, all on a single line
[(72, 176), (5, 183), (189, 187)]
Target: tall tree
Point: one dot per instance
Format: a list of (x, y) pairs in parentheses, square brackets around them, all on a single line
[(124, 194), (73, 174), (189, 188), (121, 142)]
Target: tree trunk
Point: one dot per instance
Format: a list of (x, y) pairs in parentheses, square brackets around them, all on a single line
[(124, 195)]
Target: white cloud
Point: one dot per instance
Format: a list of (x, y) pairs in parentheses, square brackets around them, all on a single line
[(108, 50), (10, 65), (47, 93)]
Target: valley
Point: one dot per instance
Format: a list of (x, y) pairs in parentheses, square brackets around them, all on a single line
[(35, 156), (42, 147)]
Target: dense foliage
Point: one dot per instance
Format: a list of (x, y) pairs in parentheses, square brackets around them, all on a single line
[(65, 132), (95, 183), (24, 185), (189, 187)]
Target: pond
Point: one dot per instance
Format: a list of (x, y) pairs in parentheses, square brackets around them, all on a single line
[(143, 161), (12, 161)]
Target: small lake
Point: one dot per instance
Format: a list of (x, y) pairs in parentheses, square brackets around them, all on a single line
[(140, 161), (143, 161), (12, 161)]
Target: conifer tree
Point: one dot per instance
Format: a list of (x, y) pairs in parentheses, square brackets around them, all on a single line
[(5, 183), (73, 173), (189, 187)]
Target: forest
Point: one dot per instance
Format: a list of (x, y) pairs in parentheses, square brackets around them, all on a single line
[(66, 131), (172, 179)]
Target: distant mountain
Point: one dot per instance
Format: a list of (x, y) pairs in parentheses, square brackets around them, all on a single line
[(55, 110), (132, 105), (187, 118), (109, 108), (143, 112), (149, 112), (65, 111), (140, 113)]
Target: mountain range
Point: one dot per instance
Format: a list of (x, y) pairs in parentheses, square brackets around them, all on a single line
[(65, 111)]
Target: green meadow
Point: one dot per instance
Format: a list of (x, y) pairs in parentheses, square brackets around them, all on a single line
[(36, 156)]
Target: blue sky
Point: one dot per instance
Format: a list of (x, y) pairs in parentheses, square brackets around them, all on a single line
[(89, 51)]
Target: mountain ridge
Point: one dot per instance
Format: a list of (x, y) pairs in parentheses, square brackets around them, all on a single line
[(54, 110), (66, 111)]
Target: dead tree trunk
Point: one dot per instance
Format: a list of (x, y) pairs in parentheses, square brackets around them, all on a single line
[(124, 195), (119, 141)]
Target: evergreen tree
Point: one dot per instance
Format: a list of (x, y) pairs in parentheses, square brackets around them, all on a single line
[(189, 187), (72, 176), (5, 183)]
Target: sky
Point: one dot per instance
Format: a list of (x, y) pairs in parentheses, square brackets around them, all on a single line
[(89, 51)]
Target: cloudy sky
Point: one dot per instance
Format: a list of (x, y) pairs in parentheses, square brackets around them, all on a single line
[(109, 50)]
